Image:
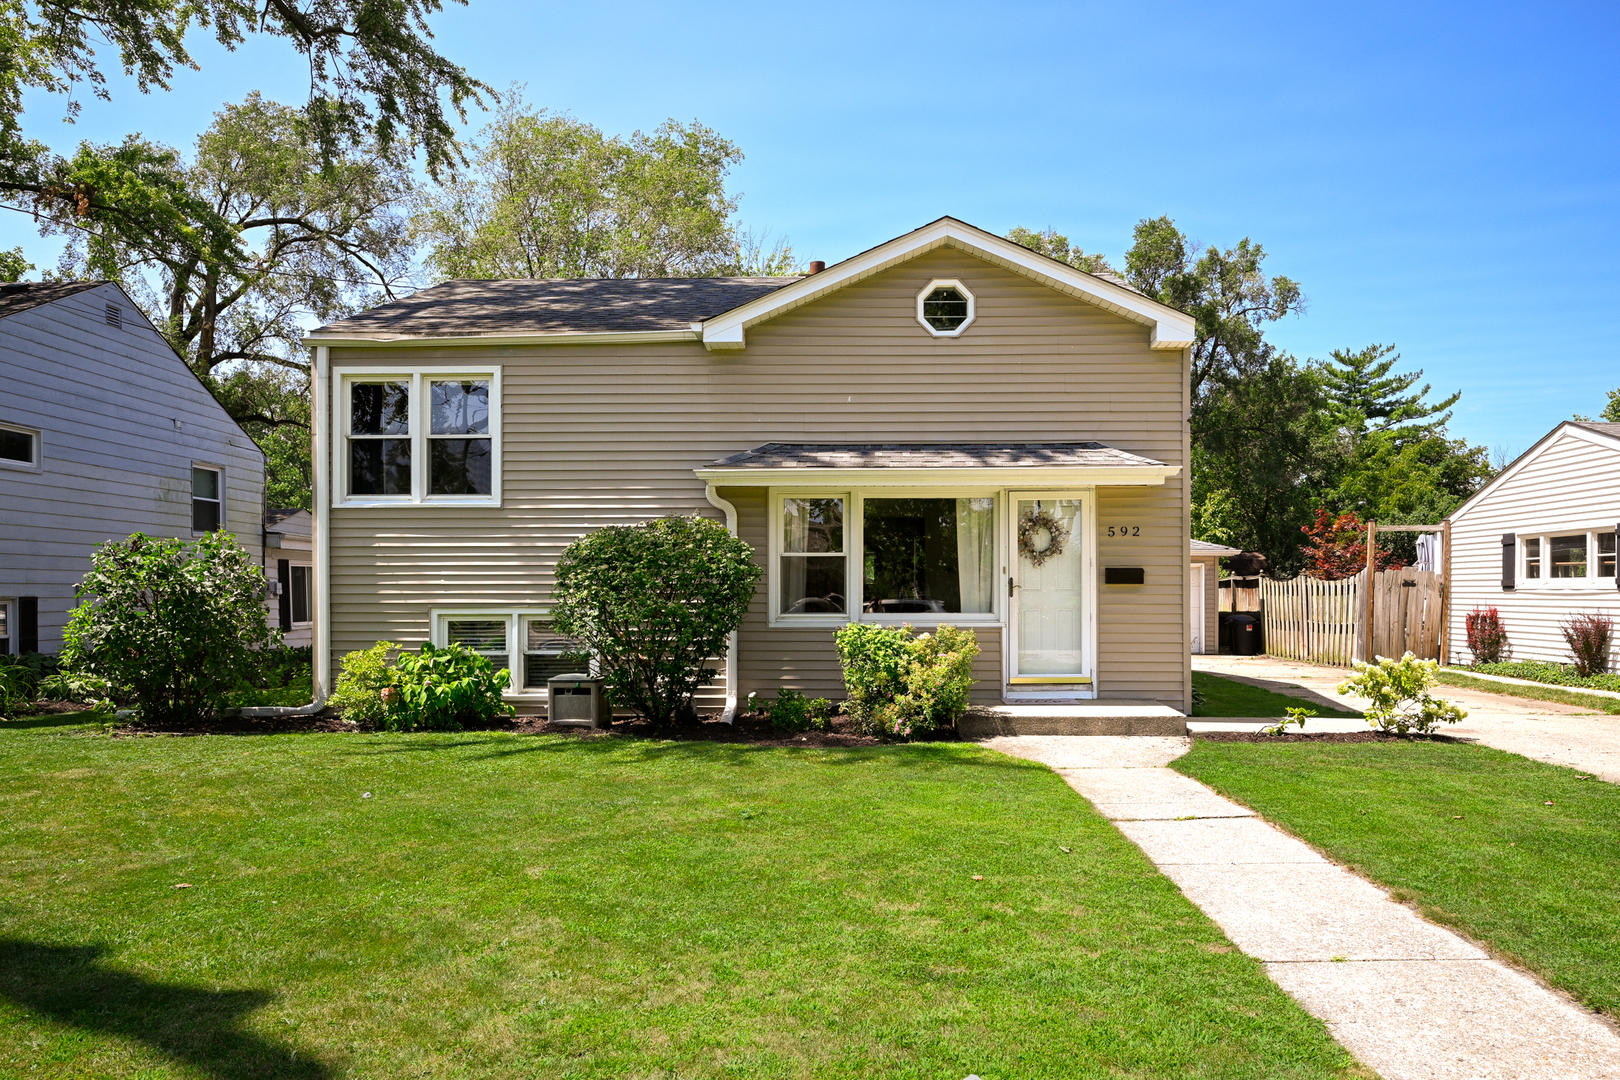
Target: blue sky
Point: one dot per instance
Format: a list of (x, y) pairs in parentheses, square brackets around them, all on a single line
[(1442, 178)]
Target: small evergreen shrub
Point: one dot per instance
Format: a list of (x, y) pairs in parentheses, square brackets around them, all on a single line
[(359, 695), (1487, 639), (653, 604), (1399, 691), (171, 626), (904, 685), (1588, 636)]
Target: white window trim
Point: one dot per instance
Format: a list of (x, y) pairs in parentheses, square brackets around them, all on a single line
[(223, 490), (38, 464), (1592, 582), (439, 635), (309, 607), (418, 378), (855, 557), (941, 283), (8, 606)]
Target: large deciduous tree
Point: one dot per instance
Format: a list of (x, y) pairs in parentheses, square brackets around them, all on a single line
[(234, 252), (552, 196)]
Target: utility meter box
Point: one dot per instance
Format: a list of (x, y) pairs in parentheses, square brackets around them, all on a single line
[(577, 699)]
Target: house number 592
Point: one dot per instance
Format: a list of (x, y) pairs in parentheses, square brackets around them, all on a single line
[(1124, 530)]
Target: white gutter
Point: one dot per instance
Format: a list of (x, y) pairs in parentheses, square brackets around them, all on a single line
[(321, 525), (537, 337), (732, 640)]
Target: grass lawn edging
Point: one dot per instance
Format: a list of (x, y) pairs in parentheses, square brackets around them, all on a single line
[(1462, 679)]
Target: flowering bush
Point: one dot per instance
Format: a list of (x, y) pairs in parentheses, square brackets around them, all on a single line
[(1588, 637), (1399, 690), (904, 685), (436, 690), (1487, 640), (365, 686)]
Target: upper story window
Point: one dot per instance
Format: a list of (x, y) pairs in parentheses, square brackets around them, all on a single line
[(1569, 559), (19, 447), (207, 499), (423, 437), (945, 308)]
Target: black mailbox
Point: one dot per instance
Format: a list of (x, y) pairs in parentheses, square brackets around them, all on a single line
[(1123, 575)]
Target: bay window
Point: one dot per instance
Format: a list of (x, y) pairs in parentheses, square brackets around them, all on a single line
[(884, 556), (429, 436)]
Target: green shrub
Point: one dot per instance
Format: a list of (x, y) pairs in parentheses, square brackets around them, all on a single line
[(434, 690), (446, 690), (1399, 692), (1588, 636), (904, 685), (1544, 672), (792, 711), (652, 603), (173, 627), (358, 695)]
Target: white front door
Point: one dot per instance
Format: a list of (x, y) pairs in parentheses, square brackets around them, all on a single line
[(1050, 587), (1196, 605)]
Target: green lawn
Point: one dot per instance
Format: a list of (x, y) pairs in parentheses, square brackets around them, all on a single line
[(1226, 697), (1462, 830), (538, 906)]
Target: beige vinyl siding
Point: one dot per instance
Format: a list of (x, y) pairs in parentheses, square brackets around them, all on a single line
[(1571, 485), (595, 435)]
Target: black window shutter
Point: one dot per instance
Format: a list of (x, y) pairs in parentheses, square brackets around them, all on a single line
[(27, 624), (284, 601), (1509, 566)]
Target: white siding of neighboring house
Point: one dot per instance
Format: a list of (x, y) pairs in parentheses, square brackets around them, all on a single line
[(106, 400), (1570, 484)]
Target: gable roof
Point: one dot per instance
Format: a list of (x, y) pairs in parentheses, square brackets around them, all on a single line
[(716, 311), (555, 306), (19, 296), (1598, 433), (1203, 548)]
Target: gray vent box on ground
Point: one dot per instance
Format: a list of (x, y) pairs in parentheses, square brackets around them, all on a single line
[(577, 699)]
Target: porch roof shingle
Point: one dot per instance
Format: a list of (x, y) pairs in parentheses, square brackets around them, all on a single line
[(1065, 455)]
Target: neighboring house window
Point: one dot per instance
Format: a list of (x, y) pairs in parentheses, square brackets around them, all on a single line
[(299, 587), (927, 556), (945, 308), (422, 437), (19, 447), (207, 503), (1568, 559), (5, 627)]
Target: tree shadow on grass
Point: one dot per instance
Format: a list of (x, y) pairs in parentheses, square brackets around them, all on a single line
[(200, 1028)]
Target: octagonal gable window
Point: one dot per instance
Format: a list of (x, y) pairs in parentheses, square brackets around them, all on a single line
[(945, 308)]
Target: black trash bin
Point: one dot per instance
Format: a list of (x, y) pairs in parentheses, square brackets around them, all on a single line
[(1245, 631)]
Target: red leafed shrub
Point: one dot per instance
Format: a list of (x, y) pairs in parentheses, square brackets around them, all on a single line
[(1486, 637), (1337, 547), (1588, 636)]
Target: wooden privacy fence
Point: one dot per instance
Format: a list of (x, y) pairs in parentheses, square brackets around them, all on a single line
[(1310, 619), (1321, 621)]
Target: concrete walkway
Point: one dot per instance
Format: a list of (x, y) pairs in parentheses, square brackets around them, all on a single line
[(1543, 730), (1411, 1000)]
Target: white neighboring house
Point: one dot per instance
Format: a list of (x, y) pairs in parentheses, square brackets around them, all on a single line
[(1203, 604), (289, 563), (104, 431), (1538, 542)]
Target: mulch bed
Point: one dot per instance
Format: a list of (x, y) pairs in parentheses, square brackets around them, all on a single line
[(747, 731), (1321, 736)]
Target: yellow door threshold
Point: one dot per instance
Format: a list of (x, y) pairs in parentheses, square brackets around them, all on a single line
[(1050, 680)]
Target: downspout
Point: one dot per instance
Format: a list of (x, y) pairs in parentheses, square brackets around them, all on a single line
[(321, 498), (730, 715)]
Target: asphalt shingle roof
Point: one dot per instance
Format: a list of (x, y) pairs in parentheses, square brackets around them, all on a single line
[(18, 296), (1592, 425), (555, 305), (932, 456)]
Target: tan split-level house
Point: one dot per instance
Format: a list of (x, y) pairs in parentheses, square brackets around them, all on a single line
[(945, 428)]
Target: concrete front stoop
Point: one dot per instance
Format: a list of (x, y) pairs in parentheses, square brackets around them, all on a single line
[(1071, 718)]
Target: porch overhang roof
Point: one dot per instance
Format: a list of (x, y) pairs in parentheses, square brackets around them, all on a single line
[(805, 465)]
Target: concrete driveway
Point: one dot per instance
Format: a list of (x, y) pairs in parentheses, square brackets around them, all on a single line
[(1543, 730)]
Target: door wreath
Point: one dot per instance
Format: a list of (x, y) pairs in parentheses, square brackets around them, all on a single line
[(1041, 535)]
